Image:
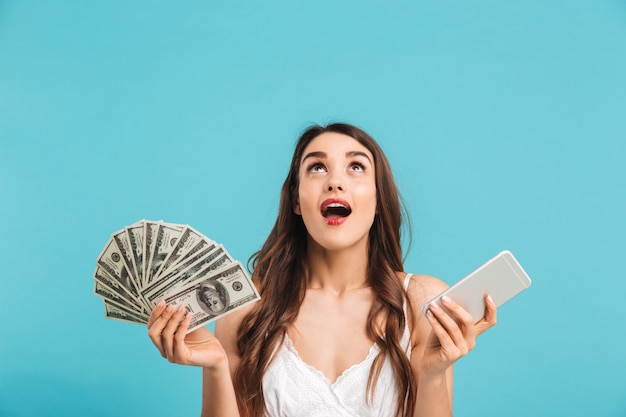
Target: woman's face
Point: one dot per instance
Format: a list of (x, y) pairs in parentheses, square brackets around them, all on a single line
[(337, 192)]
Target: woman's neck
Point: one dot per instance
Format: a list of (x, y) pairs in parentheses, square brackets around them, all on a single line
[(338, 270)]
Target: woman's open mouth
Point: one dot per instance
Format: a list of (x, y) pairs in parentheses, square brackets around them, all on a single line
[(335, 211)]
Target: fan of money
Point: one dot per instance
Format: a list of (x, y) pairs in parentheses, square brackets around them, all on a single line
[(150, 261)]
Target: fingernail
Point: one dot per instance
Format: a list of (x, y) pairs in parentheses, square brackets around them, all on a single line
[(161, 303), (446, 299), (169, 308), (180, 307), (489, 298), (435, 306)]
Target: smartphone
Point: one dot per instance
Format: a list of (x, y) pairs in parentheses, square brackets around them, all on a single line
[(502, 277)]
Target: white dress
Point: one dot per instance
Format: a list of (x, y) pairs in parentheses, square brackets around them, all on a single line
[(292, 388)]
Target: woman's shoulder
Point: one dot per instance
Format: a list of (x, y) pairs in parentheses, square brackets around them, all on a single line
[(422, 288)]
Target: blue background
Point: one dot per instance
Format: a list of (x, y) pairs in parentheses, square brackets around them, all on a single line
[(504, 122)]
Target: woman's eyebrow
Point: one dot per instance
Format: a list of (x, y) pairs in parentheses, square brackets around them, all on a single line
[(352, 154), (316, 154)]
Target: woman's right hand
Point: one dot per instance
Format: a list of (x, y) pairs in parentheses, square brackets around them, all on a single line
[(167, 328)]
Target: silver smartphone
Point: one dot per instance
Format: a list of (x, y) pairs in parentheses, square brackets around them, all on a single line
[(502, 277)]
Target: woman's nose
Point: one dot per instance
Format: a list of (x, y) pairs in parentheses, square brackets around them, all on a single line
[(334, 184)]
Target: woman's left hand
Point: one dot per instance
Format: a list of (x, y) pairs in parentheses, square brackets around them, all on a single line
[(452, 339)]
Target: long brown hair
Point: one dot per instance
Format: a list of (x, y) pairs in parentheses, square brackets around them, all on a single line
[(279, 272)]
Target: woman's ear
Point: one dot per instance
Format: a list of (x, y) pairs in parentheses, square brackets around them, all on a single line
[(295, 202)]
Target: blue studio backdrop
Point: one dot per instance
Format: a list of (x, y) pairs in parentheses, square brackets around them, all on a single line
[(504, 121)]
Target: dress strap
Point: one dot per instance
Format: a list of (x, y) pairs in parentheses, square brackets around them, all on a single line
[(406, 337), (406, 281)]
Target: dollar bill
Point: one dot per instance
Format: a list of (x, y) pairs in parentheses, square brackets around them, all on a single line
[(184, 265), (166, 237), (114, 298), (150, 235), (197, 271), (225, 290), (135, 234), (184, 270), (194, 261), (124, 246), (190, 242), (111, 261), (112, 311), (119, 292), (121, 240)]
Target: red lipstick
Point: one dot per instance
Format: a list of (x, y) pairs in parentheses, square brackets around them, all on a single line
[(335, 211)]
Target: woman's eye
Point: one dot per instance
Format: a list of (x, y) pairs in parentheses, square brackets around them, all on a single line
[(317, 167), (357, 167)]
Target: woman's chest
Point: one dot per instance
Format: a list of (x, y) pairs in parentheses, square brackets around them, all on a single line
[(331, 337)]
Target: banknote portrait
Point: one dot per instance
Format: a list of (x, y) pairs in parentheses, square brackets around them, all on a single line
[(213, 298)]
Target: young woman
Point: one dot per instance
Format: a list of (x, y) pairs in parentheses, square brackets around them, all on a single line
[(338, 330)]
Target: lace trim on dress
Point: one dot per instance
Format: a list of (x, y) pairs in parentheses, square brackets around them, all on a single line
[(371, 354)]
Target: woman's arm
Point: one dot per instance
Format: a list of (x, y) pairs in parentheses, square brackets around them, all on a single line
[(167, 329), (218, 393), (438, 342)]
